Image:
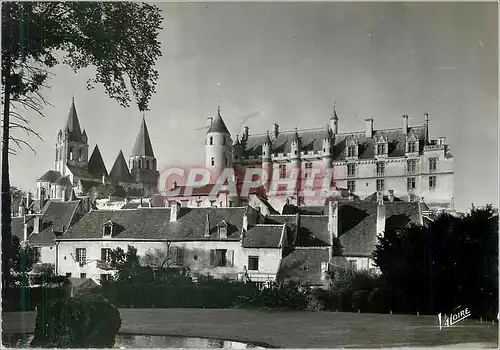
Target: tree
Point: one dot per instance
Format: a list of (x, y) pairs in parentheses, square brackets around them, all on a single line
[(118, 39), (451, 262)]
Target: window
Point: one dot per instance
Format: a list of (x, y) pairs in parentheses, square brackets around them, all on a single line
[(231, 203), (37, 252), (411, 183), (105, 255), (412, 147), (432, 164), (68, 274), (81, 255), (211, 140), (351, 170), (281, 188), (432, 182), (308, 170), (57, 155), (221, 257), (253, 263), (351, 151), (222, 232), (108, 230), (212, 203), (353, 265), (213, 161), (224, 140), (380, 169), (184, 203), (282, 171), (380, 185), (83, 275), (70, 153), (381, 149), (227, 162), (351, 186), (179, 255), (411, 166), (81, 155), (198, 204)]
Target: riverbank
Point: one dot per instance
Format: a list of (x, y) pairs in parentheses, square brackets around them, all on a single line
[(292, 329)]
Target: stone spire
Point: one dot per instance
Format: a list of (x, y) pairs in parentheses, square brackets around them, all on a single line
[(142, 146)]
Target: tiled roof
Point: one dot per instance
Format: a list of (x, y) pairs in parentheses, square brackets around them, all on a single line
[(131, 205), (154, 223), (119, 171), (50, 176), (96, 167), (218, 125), (281, 219), (79, 171), (263, 236), (142, 146), (56, 217), (399, 215), (312, 140), (313, 231), (73, 125), (18, 226), (87, 185), (64, 181), (303, 265)]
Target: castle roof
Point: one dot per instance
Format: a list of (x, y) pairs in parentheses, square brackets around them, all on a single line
[(73, 125), (142, 146), (312, 140), (96, 167), (119, 171), (218, 125)]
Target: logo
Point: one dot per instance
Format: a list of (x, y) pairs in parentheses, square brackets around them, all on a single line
[(458, 314)]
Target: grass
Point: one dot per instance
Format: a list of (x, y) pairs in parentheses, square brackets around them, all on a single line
[(292, 329)]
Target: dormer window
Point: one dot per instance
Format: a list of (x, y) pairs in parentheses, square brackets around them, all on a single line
[(107, 230), (222, 227), (380, 149), (351, 151), (411, 147), (411, 143), (382, 146)]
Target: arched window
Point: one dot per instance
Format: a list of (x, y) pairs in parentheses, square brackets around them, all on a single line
[(211, 140), (147, 164)]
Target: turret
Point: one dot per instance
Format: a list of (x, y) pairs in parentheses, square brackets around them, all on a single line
[(327, 152), (267, 157), (334, 122), (218, 146)]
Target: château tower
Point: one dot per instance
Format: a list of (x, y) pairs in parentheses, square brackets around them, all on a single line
[(218, 146)]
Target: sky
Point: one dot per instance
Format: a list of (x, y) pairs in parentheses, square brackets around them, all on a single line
[(289, 62)]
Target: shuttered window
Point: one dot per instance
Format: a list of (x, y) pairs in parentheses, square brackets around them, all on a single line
[(221, 258)]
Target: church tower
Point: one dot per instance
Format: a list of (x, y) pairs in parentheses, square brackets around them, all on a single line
[(218, 146), (72, 144), (142, 162)]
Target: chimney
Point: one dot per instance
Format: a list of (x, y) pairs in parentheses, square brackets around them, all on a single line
[(210, 120), (174, 211), (426, 124), (245, 220), (207, 226), (324, 270), (405, 124), (37, 223), (369, 128), (276, 129), (245, 132), (391, 195), (333, 219), (380, 218)]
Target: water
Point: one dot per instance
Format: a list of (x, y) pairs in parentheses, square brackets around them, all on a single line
[(125, 341)]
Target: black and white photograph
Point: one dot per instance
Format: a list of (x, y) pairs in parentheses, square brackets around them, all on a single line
[(249, 174)]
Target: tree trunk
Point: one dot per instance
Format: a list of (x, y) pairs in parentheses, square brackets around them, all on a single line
[(6, 200)]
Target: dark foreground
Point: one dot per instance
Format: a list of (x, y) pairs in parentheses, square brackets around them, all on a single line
[(292, 329)]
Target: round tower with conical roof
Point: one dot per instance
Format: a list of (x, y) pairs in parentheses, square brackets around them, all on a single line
[(218, 145)]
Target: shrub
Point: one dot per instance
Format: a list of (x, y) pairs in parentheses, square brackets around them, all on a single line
[(85, 321), (360, 300), (381, 300), (281, 296)]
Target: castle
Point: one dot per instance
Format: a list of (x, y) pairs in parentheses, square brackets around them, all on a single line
[(402, 162), (75, 175)]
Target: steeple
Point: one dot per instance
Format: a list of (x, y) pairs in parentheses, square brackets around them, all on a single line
[(73, 124), (218, 124), (119, 171), (334, 121), (142, 146), (96, 165)]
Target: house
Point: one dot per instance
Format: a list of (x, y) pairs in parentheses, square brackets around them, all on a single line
[(231, 242)]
